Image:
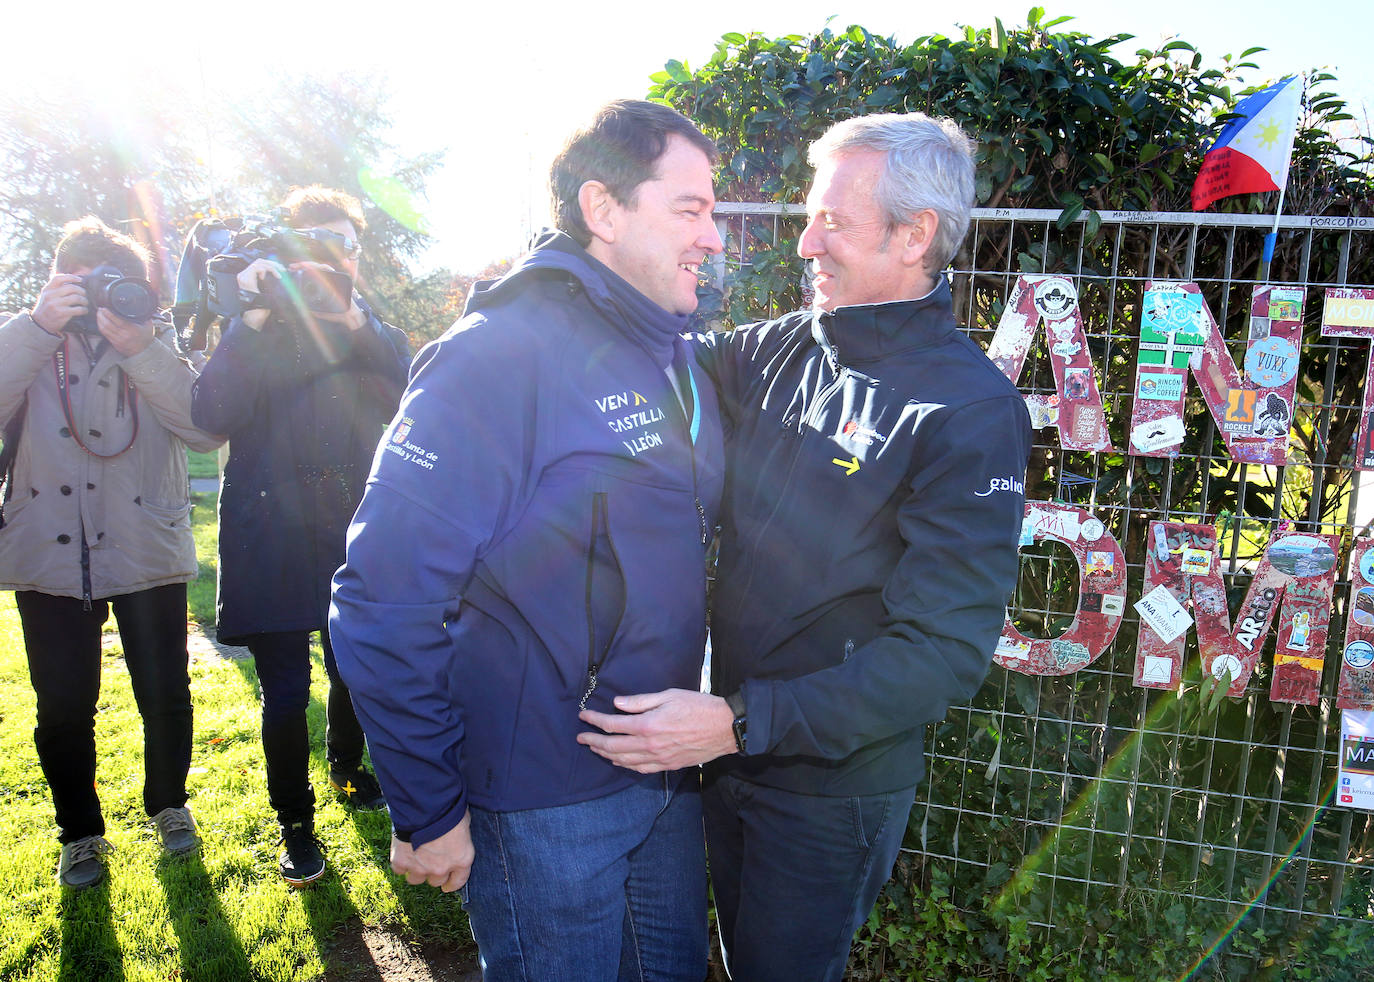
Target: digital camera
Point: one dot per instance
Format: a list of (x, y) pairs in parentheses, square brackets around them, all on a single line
[(129, 297), (325, 291)]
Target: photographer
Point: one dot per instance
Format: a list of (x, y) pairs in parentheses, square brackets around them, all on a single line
[(97, 414), (303, 396)]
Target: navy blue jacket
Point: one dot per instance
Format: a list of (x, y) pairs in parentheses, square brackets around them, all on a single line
[(303, 408), (532, 539), (876, 464)]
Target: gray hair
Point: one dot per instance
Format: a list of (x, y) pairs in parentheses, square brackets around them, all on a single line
[(929, 165)]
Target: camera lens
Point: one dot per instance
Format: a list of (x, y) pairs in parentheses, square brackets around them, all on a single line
[(132, 300), (129, 297)]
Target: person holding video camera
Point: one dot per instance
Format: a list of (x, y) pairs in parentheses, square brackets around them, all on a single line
[(303, 382), (96, 406)]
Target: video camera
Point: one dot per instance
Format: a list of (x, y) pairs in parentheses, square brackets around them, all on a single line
[(218, 250), (129, 297)]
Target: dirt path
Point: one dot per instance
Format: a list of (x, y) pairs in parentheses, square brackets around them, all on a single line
[(200, 646), (369, 954)]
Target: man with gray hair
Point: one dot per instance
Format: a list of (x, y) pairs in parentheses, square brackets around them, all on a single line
[(876, 463)]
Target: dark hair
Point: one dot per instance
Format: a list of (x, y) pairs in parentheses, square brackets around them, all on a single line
[(90, 242), (620, 149), (316, 205)]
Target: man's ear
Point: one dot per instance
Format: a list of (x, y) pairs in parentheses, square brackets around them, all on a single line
[(918, 236), (598, 210)]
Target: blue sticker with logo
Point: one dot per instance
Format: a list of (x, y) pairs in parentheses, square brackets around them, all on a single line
[(1271, 362), (1359, 654)]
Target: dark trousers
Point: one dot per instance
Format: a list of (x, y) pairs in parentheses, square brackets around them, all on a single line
[(283, 664), (795, 875), (63, 644)]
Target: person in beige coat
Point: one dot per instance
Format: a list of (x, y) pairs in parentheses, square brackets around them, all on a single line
[(96, 515)]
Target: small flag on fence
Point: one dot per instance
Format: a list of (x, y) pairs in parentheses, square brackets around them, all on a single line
[(1253, 151)]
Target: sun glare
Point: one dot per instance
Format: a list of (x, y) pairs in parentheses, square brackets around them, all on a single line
[(495, 94)]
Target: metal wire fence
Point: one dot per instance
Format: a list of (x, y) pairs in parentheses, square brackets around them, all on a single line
[(1055, 794)]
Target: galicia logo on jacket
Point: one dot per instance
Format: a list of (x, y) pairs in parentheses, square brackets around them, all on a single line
[(1009, 483)]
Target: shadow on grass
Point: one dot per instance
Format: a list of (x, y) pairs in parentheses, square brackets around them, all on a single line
[(354, 951), (90, 949), (436, 935), (206, 941), (330, 911), (347, 938)]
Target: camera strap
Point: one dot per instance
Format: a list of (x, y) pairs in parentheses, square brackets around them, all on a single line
[(12, 431), (127, 392)]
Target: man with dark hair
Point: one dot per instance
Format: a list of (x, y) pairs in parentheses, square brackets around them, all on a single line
[(532, 541), (97, 516), (630, 137), (303, 397), (877, 461)]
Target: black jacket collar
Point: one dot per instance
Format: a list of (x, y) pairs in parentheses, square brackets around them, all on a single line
[(869, 332)]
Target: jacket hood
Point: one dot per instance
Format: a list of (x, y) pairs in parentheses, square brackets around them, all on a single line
[(866, 332), (552, 251), (640, 319)]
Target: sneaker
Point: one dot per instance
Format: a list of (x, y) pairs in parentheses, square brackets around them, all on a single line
[(359, 789), (177, 829), (302, 862), (80, 865)]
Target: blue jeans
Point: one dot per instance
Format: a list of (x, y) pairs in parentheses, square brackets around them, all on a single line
[(602, 890), (795, 875)]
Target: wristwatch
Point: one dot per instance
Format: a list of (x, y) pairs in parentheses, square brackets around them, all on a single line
[(740, 724)]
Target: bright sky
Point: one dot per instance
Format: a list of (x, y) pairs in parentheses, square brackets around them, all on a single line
[(500, 86)]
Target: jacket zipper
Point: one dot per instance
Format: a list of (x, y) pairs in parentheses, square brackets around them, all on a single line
[(596, 654), (696, 491), (85, 570), (832, 356), (692, 450), (601, 528)]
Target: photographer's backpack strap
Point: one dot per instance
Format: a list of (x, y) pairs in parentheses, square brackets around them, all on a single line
[(8, 453)]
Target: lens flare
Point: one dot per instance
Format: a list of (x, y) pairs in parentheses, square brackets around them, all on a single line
[(326, 345), (145, 205), (1023, 880), (394, 198), (1265, 887)]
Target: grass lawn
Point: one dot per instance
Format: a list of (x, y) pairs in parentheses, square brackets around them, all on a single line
[(224, 915), (202, 464)]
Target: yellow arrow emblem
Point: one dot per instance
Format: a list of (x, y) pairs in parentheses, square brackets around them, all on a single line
[(638, 398), (851, 466)]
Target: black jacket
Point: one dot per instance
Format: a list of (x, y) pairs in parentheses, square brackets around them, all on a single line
[(304, 408), (875, 488)]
